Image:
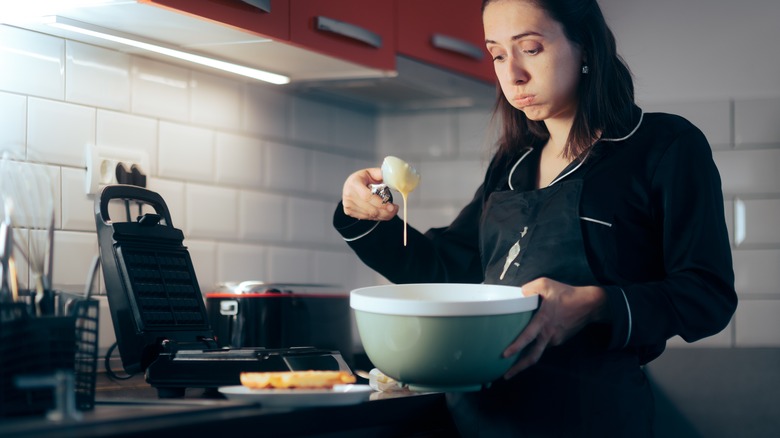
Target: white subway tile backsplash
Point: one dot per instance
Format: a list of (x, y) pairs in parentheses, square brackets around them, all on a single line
[(266, 111), (749, 171), (211, 212), (723, 339), (290, 265), (57, 132), (127, 131), (757, 323), (755, 222), (106, 335), (712, 118), (757, 272), (36, 195), (287, 168), (73, 254), (186, 152), (418, 135), (204, 262), (365, 276), (33, 63), (475, 136), (336, 268), (755, 122), (449, 181), (354, 131), (262, 216), (216, 101), (160, 90), (311, 121), (13, 123), (97, 76), (310, 221), (78, 211), (328, 173), (728, 210), (239, 160), (172, 193), (240, 262)]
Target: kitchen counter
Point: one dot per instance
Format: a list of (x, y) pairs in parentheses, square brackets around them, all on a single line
[(131, 408)]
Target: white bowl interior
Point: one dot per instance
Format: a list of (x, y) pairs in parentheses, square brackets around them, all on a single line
[(442, 299)]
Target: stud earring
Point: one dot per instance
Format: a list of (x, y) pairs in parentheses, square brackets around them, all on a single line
[(585, 69)]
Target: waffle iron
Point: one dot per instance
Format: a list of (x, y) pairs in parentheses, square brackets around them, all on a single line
[(159, 316)]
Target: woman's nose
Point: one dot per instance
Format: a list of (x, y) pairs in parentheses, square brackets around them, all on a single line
[(518, 73)]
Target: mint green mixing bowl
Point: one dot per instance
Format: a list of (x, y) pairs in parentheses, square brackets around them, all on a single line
[(441, 337)]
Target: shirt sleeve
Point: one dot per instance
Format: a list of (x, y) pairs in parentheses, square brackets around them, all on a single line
[(440, 255), (696, 298)]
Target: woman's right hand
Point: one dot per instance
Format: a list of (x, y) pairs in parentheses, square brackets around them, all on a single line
[(358, 200)]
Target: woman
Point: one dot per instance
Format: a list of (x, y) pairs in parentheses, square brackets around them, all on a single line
[(618, 216)]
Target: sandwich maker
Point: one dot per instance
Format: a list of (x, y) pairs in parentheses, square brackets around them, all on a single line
[(159, 316)]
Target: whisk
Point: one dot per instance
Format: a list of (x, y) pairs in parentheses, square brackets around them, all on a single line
[(27, 188)]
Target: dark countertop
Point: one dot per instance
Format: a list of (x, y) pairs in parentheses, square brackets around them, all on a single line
[(131, 408)]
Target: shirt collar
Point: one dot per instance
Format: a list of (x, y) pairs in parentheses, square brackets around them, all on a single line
[(578, 162), (636, 113)]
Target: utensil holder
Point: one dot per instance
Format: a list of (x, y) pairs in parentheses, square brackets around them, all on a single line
[(39, 346)]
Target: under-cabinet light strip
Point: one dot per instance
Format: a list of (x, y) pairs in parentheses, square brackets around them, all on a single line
[(134, 41)]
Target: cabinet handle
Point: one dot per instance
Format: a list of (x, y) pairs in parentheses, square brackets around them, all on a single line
[(349, 30), (445, 42), (263, 5)]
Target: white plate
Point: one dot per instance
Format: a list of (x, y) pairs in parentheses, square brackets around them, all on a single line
[(340, 395)]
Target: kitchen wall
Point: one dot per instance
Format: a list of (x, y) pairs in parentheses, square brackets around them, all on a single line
[(251, 173)]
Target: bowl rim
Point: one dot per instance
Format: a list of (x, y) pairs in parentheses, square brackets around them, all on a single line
[(502, 300)]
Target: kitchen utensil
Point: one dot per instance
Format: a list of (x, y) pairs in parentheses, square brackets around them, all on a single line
[(441, 337), (28, 195), (9, 289), (401, 176)]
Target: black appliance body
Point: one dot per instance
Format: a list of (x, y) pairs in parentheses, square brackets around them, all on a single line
[(157, 309)]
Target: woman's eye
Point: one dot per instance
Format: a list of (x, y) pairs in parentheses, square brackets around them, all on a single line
[(531, 48), (498, 58)]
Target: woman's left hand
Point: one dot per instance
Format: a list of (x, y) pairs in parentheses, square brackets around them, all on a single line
[(564, 310)]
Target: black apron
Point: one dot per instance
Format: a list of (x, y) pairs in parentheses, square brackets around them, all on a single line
[(577, 388)]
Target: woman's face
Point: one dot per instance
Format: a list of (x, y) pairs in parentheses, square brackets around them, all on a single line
[(537, 67)]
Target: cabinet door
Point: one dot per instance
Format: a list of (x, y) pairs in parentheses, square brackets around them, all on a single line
[(360, 31), (269, 18), (446, 33)]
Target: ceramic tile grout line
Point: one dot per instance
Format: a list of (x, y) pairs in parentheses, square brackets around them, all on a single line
[(401, 176)]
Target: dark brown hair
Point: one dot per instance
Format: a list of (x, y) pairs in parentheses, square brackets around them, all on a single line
[(605, 94)]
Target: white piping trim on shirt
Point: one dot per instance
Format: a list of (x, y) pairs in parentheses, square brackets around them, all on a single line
[(590, 219), (633, 131), (352, 239), (630, 322), (571, 171), (511, 187), (641, 116)]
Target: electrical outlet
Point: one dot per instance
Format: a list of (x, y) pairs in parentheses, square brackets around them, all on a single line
[(102, 163)]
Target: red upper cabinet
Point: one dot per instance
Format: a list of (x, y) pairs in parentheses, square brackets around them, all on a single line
[(270, 18), (360, 31), (444, 33)]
